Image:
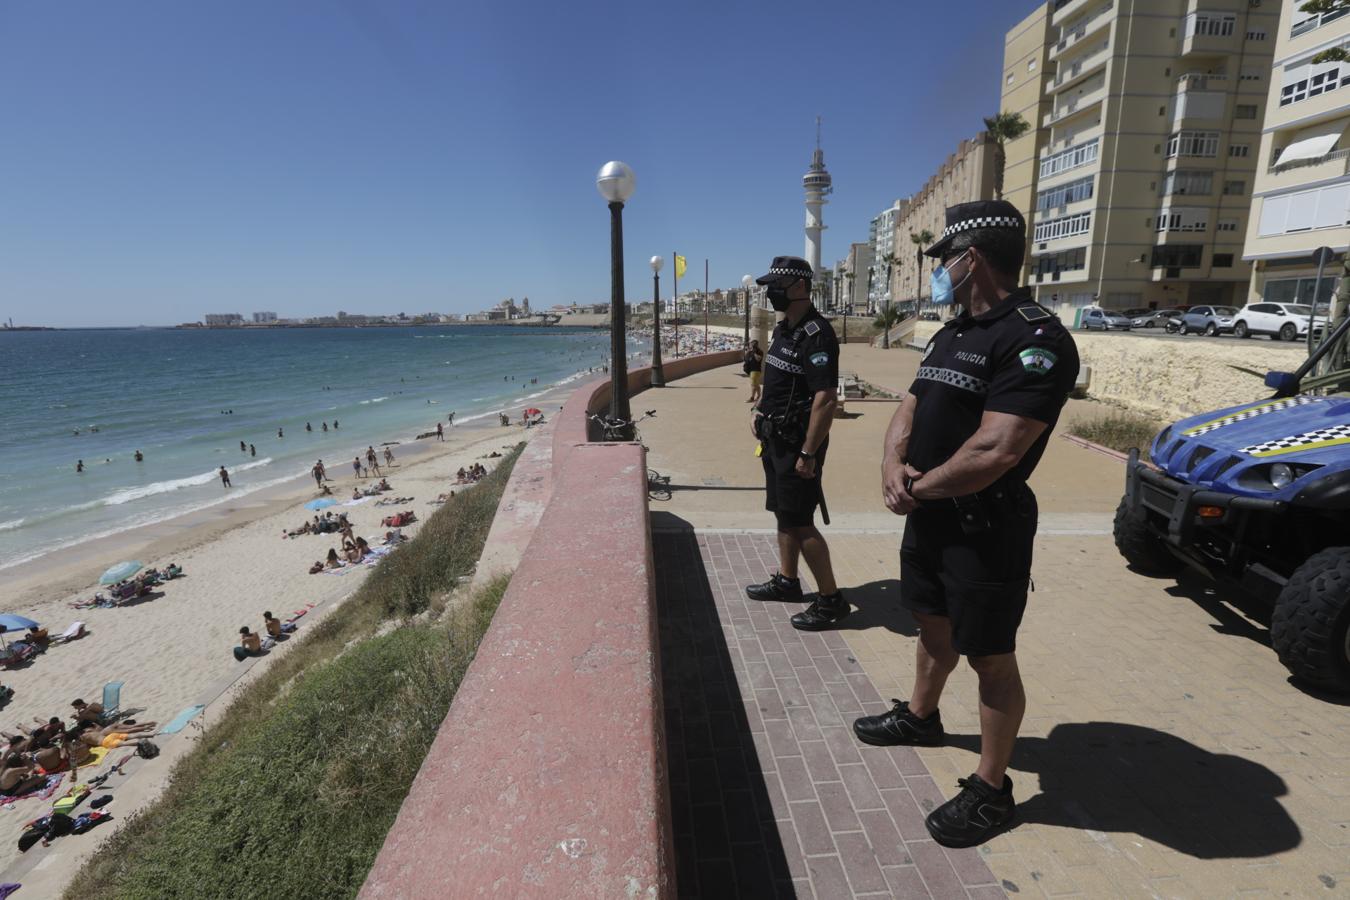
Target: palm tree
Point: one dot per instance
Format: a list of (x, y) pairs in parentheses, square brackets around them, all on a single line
[(887, 319), (889, 260), (920, 239), (1003, 127)]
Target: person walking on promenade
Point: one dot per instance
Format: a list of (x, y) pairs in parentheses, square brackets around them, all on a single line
[(753, 365), (956, 459), (224, 477), (792, 421), (440, 432)]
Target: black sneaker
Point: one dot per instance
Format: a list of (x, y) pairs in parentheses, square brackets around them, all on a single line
[(974, 815), (779, 587), (822, 613), (900, 727)]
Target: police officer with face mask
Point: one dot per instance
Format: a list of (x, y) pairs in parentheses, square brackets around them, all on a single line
[(792, 421), (958, 453)]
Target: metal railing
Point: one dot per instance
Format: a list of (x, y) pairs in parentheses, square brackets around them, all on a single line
[(1088, 60), (1081, 29), (1305, 163), (1196, 81)]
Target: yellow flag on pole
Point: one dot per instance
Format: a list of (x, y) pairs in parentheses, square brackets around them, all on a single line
[(679, 266)]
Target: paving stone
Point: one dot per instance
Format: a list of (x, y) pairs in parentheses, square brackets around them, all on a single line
[(812, 829), (860, 862), (827, 876)]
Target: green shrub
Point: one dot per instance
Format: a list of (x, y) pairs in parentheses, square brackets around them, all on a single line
[(1119, 431)]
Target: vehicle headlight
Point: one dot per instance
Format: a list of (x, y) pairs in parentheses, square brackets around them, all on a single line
[(1281, 476)]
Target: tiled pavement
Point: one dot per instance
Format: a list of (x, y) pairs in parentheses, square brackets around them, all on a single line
[(771, 793)]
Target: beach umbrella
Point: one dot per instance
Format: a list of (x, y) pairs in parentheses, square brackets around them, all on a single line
[(121, 572), (533, 411), (321, 503), (16, 623)]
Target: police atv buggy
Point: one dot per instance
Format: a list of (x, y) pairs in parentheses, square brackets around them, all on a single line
[(1258, 496)]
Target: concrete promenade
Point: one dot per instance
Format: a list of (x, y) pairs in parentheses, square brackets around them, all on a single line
[(1164, 754)]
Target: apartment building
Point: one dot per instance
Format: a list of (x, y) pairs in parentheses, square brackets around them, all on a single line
[(856, 273), (1025, 73), (881, 235), (1302, 197), (1149, 151), (968, 174)]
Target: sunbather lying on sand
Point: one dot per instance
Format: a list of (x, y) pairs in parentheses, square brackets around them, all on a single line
[(116, 735), (19, 776), (70, 753), (87, 712)]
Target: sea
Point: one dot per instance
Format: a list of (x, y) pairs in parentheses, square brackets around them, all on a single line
[(187, 398)]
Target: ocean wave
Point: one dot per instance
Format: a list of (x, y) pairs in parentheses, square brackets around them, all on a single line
[(163, 487), (13, 523), (376, 400)]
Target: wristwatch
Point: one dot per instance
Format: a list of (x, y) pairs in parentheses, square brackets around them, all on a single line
[(804, 455)]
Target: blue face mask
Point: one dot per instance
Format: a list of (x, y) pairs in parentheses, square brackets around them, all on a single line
[(941, 283)]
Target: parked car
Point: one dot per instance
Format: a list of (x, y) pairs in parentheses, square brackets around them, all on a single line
[(1155, 318), (1210, 320), (1105, 319), (1256, 496), (1282, 321), (930, 316)]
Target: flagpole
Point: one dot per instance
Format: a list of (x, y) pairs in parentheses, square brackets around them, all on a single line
[(675, 299), (705, 305)]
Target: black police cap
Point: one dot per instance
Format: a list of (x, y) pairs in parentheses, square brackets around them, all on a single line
[(979, 214), (786, 267)]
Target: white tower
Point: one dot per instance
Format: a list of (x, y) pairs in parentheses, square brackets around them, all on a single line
[(818, 186)]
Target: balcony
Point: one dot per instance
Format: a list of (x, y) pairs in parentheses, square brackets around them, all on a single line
[(1335, 164), (1080, 29), (1084, 65), (1210, 39), (1201, 81), (1074, 106)]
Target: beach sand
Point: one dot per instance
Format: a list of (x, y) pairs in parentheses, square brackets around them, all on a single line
[(174, 650)]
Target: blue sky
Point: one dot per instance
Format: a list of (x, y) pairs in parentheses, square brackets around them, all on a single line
[(162, 160)]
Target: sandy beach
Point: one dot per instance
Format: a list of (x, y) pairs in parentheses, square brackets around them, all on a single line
[(171, 647)]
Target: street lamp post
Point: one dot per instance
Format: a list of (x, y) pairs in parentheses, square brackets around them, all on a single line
[(746, 282), (658, 376), (615, 183)]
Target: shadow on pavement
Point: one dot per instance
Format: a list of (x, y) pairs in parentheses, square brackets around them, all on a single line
[(726, 840), (1128, 779), (1234, 611), (877, 605)]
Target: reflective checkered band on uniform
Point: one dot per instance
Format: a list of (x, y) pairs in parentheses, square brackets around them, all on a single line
[(784, 365), (955, 379), (800, 273), (1250, 412), (1322, 437), (982, 222)]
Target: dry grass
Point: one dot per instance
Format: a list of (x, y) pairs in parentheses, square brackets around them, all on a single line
[(1119, 431)]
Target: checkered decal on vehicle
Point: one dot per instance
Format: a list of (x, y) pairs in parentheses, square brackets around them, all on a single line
[(1322, 437), (785, 366), (1250, 412), (955, 379)]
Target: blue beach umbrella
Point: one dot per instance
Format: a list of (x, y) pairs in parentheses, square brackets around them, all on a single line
[(321, 503), (121, 572), (16, 623)]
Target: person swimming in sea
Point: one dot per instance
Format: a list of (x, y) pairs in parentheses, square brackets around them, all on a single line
[(252, 451), (279, 434), (309, 427), (242, 448), (139, 456), (325, 427), (79, 466)]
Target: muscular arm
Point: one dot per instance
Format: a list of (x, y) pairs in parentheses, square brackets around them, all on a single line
[(894, 451), (822, 417), (999, 444)]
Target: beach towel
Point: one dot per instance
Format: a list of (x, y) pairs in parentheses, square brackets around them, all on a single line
[(356, 502), (42, 793), (180, 721), (96, 755)]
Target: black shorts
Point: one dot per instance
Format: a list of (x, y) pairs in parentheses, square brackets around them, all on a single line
[(979, 581), (790, 497)]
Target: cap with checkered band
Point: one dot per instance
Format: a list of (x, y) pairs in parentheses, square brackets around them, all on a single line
[(983, 214), (786, 267)]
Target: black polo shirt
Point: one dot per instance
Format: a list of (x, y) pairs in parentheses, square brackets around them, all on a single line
[(801, 361), (1016, 358)]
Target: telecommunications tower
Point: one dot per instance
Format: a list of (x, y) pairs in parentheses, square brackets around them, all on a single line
[(818, 186)]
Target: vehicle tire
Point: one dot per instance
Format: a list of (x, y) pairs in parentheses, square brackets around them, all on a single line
[(1241, 330), (1149, 324), (1289, 331), (1170, 328), (1310, 627), (1183, 329), (1142, 549), (1211, 330)]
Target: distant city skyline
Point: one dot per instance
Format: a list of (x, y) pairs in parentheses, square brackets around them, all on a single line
[(163, 160)]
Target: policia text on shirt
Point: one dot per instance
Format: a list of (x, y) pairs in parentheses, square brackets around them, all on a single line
[(792, 423)]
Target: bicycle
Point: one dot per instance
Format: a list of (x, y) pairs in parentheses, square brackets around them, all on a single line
[(658, 485)]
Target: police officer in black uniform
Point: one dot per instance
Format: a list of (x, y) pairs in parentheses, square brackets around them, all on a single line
[(792, 421), (958, 453)]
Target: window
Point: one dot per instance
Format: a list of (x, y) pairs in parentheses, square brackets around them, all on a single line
[(1223, 260), (1234, 188), (1070, 158), (1177, 256), (1182, 181), (1066, 261), (1031, 65), (1009, 79), (1325, 207), (1228, 225), (1305, 23), (1245, 111), (1239, 151), (1193, 143), (1250, 74), (1066, 226), (1074, 191), (1182, 220), (1210, 24), (1308, 79), (1256, 35), (1298, 290)]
